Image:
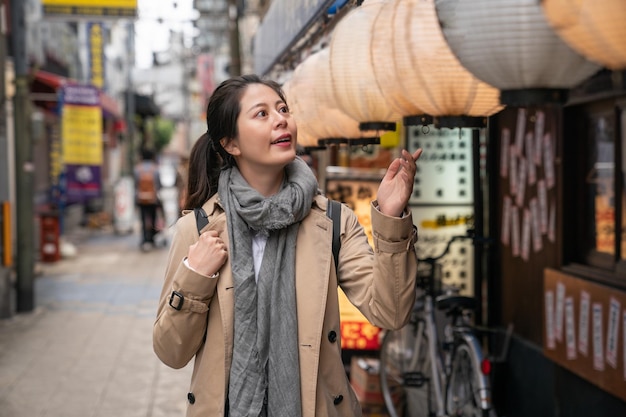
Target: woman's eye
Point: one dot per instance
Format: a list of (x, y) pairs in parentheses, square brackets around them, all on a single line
[(262, 113), (284, 109)]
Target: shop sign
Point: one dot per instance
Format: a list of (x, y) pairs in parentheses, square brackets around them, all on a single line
[(585, 329), (81, 141), (96, 54), (90, 8)]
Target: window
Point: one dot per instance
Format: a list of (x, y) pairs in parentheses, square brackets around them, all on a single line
[(597, 207), (600, 184)]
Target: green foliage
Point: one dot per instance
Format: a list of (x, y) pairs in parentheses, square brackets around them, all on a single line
[(162, 132)]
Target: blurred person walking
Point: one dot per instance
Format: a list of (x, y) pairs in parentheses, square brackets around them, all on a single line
[(147, 186)]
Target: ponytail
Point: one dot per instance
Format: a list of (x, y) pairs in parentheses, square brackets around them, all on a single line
[(204, 171)]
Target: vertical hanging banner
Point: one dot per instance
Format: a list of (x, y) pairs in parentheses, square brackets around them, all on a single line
[(95, 49), (81, 137), (90, 8)]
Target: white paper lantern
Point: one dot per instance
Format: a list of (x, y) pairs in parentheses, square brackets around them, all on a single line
[(316, 110), (509, 45), (354, 83), (305, 137)]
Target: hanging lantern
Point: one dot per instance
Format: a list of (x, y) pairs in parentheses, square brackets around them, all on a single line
[(305, 136), (596, 30), (509, 45), (319, 114), (416, 70), (354, 85), (312, 85)]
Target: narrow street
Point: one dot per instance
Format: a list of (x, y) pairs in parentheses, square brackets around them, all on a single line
[(86, 350)]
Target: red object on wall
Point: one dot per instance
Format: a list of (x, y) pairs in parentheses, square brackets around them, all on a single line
[(49, 238)]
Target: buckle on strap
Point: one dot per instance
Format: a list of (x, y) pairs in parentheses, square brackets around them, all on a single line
[(180, 299)]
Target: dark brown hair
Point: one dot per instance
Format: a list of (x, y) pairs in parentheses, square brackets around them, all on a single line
[(208, 157)]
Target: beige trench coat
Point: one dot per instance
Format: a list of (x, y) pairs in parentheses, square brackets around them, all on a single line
[(381, 283)]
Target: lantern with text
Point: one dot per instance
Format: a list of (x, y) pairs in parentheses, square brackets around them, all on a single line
[(509, 45), (596, 29)]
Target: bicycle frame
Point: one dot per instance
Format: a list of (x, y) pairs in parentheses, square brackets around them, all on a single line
[(438, 376), (484, 391), (451, 355), (441, 364)]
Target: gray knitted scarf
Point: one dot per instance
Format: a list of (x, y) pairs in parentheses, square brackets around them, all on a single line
[(265, 370)]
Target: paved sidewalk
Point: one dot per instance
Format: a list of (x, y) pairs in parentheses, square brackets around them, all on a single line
[(86, 350)]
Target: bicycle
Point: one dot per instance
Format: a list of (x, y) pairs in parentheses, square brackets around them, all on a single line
[(458, 383)]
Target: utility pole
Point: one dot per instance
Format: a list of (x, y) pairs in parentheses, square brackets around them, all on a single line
[(5, 175), (24, 167), (235, 44), (130, 98)]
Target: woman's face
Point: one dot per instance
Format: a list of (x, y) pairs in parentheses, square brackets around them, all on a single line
[(267, 132)]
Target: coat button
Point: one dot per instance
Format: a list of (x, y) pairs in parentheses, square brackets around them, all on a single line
[(332, 336), (338, 399), (191, 398)]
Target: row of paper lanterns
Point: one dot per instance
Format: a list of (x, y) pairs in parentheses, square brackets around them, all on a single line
[(390, 60)]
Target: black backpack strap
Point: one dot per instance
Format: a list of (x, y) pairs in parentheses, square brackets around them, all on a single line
[(333, 211), (202, 219)]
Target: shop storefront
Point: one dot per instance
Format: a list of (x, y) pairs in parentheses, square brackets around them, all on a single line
[(541, 178), (72, 166)]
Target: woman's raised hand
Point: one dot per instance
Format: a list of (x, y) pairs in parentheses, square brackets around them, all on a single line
[(208, 254), (397, 185)]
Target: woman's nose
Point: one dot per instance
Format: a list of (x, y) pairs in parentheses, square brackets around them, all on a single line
[(281, 119)]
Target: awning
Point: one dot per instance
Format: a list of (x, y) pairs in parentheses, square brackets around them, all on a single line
[(44, 92), (145, 106)]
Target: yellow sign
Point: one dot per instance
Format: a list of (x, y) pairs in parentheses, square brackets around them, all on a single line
[(96, 54), (92, 3), (391, 139), (82, 135), (103, 8), (443, 221)]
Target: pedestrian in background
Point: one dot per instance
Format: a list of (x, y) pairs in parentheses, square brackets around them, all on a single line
[(254, 297), (147, 186)]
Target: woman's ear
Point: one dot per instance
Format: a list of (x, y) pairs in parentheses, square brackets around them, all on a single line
[(230, 145)]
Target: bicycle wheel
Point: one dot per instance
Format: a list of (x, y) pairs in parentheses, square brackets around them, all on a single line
[(467, 393), (405, 370)]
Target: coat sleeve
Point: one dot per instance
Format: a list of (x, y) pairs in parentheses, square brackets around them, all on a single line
[(379, 281), (181, 321)]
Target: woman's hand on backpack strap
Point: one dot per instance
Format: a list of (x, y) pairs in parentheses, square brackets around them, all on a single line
[(208, 254), (397, 184)]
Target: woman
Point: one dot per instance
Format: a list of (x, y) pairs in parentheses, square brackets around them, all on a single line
[(254, 297)]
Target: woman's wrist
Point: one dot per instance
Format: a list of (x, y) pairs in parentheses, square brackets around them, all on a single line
[(377, 207), (186, 262)]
